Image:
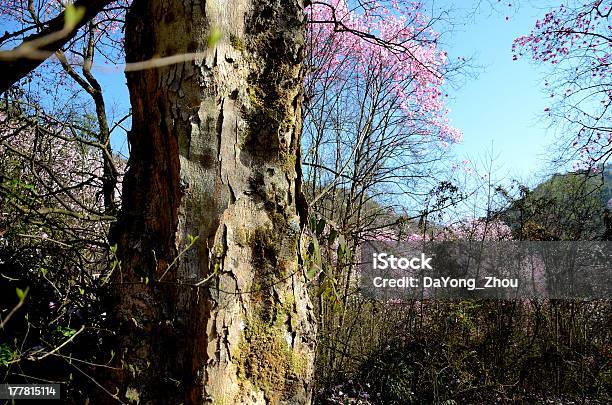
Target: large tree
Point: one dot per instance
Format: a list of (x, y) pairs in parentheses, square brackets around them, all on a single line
[(209, 298)]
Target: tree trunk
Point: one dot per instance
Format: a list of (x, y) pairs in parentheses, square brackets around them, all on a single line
[(213, 155)]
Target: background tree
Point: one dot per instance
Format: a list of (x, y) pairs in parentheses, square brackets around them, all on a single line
[(565, 207), (374, 138), (53, 249), (60, 193)]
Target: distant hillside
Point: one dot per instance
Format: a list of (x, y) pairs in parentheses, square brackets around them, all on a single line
[(567, 206)]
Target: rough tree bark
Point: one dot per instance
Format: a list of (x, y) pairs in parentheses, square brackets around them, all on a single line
[(213, 155)]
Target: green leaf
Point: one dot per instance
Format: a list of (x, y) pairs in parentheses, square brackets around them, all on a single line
[(72, 16), (6, 354), (214, 37), (21, 294), (67, 332)]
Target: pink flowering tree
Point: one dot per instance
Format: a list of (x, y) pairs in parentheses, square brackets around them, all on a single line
[(392, 44), (575, 41), (376, 123), (476, 230), (52, 187), (61, 174), (375, 132), (470, 229), (53, 240), (65, 86)]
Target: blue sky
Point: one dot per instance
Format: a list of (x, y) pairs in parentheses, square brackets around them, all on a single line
[(502, 110), (116, 94)]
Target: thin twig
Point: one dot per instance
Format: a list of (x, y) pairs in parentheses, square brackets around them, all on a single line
[(62, 345)]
